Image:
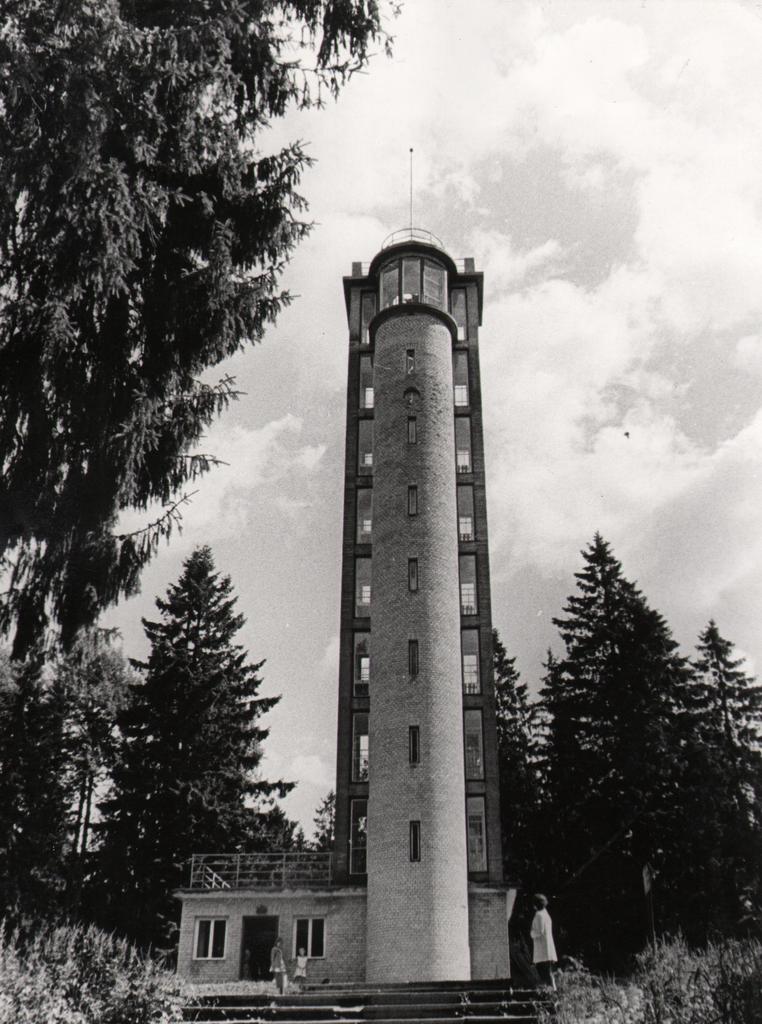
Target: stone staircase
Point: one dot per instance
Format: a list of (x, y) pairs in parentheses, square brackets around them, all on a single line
[(478, 1002)]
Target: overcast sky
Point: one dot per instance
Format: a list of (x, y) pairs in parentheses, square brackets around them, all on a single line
[(602, 163)]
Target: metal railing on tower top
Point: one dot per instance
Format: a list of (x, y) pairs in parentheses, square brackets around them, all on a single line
[(412, 235)]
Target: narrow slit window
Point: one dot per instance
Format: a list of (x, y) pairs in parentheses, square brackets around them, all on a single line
[(413, 665), (410, 361), (412, 430), (415, 840), (412, 574), (412, 500), (414, 744)]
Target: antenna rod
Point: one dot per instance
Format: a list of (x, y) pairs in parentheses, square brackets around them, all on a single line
[(411, 188)]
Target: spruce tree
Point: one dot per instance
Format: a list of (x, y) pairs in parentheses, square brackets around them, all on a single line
[(145, 220), (520, 797), (613, 760), (34, 800), (324, 823), (186, 779)]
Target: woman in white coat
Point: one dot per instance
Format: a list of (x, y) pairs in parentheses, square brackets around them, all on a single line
[(544, 952)]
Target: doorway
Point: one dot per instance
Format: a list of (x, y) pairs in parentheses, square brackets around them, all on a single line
[(258, 936)]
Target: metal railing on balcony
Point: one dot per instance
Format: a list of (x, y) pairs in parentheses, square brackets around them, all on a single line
[(261, 870)]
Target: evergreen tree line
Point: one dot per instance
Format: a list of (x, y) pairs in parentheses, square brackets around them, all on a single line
[(636, 768), (113, 773)]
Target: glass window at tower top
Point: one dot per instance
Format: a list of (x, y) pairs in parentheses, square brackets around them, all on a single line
[(413, 279)]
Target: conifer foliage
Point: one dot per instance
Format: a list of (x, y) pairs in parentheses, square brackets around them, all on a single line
[(143, 231), (186, 779)]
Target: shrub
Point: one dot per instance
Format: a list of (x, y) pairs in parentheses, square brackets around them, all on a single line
[(673, 984), (77, 975)]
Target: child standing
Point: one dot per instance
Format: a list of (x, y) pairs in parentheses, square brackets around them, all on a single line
[(300, 974)]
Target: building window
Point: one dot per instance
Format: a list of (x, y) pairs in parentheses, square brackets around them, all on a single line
[(413, 664), (412, 397), (366, 382), (463, 444), (412, 430), (414, 744), (358, 837), (367, 312), (412, 500), (362, 587), (210, 938), (458, 311), (411, 280), (474, 743), (364, 515), (360, 751), (361, 664), (468, 603), (465, 512), (476, 828), (390, 285), (410, 361), (469, 645), (412, 574), (365, 447), (422, 280), (415, 840), (460, 378), (309, 935)]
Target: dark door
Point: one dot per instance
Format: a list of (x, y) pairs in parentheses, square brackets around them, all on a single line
[(257, 939)]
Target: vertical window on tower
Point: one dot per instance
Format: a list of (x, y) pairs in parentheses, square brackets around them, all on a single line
[(469, 647), (358, 837), (390, 285), (364, 514), (365, 447), (412, 500), (366, 382), (367, 312), (433, 284), (410, 360), (465, 512), (458, 311), (474, 744), (412, 430), (413, 664), (463, 444), (360, 747), (412, 574), (414, 744), (460, 378), (468, 603), (476, 828), (362, 587), (361, 664), (415, 840), (411, 280)]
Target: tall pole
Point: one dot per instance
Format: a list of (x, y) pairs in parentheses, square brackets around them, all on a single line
[(411, 188)]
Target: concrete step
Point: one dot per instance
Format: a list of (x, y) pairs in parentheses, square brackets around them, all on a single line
[(241, 1016), (380, 1011)]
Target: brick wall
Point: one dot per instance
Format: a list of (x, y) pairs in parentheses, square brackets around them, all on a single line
[(488, 933), (417, 912), (343, 910)]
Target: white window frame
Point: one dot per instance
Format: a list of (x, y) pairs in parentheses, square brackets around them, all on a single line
[(463, 460), (476, 810), (471, 682), (214, 921), (309, 937), (460, 395)]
